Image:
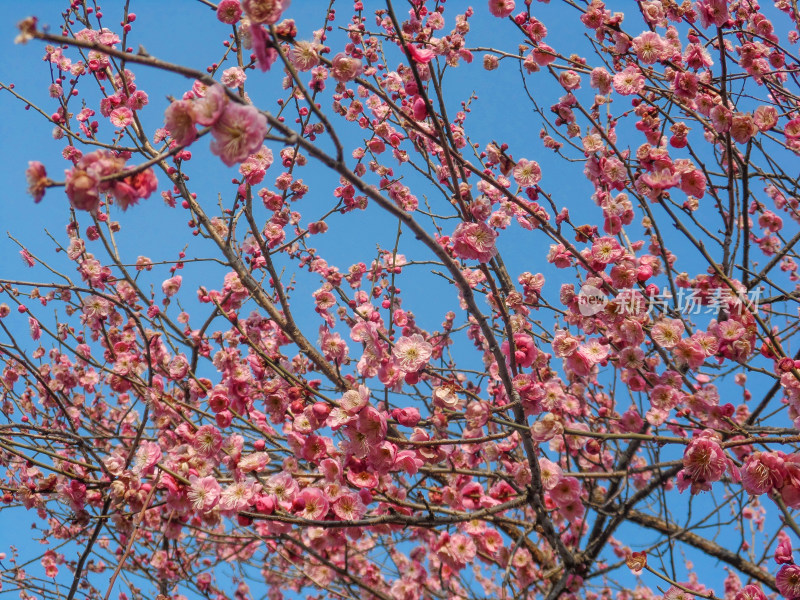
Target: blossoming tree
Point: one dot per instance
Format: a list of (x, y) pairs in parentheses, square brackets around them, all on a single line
[(591, 395)]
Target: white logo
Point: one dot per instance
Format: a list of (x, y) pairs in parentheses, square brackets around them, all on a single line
[(591, 300)]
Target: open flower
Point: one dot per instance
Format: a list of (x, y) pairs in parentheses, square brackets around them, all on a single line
[(411, 353), (204, 493), (37, 180), (474, 241), (238, 133)]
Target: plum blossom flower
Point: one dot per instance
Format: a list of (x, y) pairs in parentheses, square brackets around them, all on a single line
[(38, 181), (304, 55), (667, 332), (208, 109), (238, 133), (256, 461), (783, 553), (636, 561), (207, 441), (349, 507), (630, 81), (713, 12), (146, 458), (345, 68), (749, 592), (171, 286), (83, 183), (566, 491), (762, 472), (527, 172), (411, 353), (649, 47), (128, 190), (704, 462), (354, 400), (788, 580), (229, 11), (263, 47), (420, 55), (265, 11), (474, 241), (743, 127), (204, 493), (600, 79), (238, 496), (312, 504), (179, 119), (233, 77), (121, 117), (550, 473), (501, 8)]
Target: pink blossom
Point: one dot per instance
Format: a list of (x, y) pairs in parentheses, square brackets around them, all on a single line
[(765, 117), (792, 129), (743, 128), (693, 183), (501, 8), (544, 55), (311, 504), (569, 80), (566, 491), (606, 250), (84, 183), (345, 68), (38, 181), (229, 11), (474, 241), (721, 118), (411, 353), (408, 417), (171, 286), (128, 190), (649, 47), (550, 473), (263, 48), (209, 108), (420, 55), (354, 400), (407, 461), (304, 55), (527, 172), (600, 79), (349, 507), (264, 11), (525, 351), (762, 472), (667, 332), (121, 117), (630, 81), (233, 77), (783, 552), (238, 133), (704, 462), (146, 458), (750, 592), (788, 580), (207, 441), (713, 12), (238, 496), (179, 119), (254, 462), (204, 493)]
